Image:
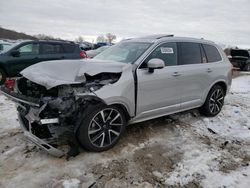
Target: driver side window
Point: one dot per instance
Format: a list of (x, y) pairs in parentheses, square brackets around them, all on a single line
[(166, 52)]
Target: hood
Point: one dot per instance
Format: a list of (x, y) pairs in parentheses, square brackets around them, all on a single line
[(60, 72)]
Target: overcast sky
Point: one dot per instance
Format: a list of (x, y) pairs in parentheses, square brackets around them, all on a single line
[(223, 21)]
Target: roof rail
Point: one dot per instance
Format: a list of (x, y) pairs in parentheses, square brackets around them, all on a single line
[(161, 36), (157, 36)]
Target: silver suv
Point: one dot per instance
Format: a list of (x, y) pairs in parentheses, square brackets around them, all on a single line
[(89, 102)]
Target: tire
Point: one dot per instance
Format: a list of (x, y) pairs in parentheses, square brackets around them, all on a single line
[(214, 102), (101, 127), (2, 76)]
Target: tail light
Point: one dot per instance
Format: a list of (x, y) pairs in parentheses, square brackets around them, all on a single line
[(9, 84), (83, 54)]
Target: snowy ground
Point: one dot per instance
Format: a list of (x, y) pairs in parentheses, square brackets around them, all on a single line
[(182, 150)]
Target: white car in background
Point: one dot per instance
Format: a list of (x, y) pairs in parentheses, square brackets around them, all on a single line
[(93, 53)]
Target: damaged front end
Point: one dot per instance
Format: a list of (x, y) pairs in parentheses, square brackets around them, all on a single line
[(50, 117)]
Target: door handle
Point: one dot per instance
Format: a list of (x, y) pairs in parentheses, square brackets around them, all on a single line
[(176, 74), (209, 70), (62, 57)]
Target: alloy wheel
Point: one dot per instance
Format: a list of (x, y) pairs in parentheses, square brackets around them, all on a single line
[(216, 101), (105, 127)]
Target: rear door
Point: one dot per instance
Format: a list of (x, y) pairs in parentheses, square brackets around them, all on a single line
[(52, 51), (194, 70), (159, 92), (29, 55), (215, 67)]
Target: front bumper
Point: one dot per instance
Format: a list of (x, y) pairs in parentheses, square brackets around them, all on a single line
[(33, 103), (39, 142)]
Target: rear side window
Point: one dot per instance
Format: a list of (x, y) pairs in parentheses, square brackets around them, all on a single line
[(190, 53), (212, 53), (52, 48), (69, 48), (166, 52)]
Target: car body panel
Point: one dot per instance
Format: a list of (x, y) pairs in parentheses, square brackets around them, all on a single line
[(122, 92), (158, 91)]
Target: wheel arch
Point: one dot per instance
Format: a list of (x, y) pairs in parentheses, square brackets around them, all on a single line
[(124, 109), (221, 83), (94, 100)]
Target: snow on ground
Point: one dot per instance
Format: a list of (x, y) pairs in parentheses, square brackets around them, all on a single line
[(8, 115), (181, 150)]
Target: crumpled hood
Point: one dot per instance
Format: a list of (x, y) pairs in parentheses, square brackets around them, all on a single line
[(59, 72)]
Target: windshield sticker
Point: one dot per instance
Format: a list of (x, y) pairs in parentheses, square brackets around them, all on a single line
[(166, 50)]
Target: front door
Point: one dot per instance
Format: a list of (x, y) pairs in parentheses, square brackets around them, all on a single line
[(159, 93), (28, 55)]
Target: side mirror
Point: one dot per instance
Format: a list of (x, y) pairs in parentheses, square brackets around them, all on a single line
[(15, 53), (155, 64)]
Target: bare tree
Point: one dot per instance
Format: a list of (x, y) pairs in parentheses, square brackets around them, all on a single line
[(44, 37), (101, 38), (79, 39), (110, 37)]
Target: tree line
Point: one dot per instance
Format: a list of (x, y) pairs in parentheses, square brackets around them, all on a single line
[(108, 38)]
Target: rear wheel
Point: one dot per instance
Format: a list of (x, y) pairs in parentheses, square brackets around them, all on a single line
[(101, 127), (2, 76), (214, 101)]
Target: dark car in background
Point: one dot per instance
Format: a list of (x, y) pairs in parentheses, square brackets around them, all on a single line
[(27, 53), (240, 59), (87, 46)]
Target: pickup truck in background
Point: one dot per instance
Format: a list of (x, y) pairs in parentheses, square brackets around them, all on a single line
[(240, 59)]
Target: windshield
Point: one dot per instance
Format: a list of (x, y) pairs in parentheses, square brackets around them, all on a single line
[(125, 52), (102, 48), (8, 47)]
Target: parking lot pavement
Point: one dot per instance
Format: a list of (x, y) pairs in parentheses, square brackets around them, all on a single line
[(184, 149)]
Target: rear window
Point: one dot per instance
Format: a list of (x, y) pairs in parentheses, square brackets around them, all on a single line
[(190, 53), (212, 53), (69, 48), (52, 48)]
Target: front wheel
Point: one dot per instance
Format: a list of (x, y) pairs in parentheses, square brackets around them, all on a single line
[(214, 101), (101, 127)]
